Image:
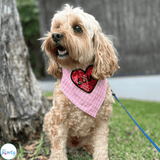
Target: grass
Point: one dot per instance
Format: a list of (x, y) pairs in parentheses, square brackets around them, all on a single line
[(126, 141), (48, 94), (36, 147), (39, 147), (20, 153)]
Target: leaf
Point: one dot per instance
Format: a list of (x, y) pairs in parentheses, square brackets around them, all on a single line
[(136, 128), (31, 147), (42, 158)]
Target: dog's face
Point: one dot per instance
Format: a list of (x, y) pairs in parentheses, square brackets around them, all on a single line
[(76, 41)]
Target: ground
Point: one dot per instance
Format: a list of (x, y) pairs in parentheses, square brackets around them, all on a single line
[(30, 143)]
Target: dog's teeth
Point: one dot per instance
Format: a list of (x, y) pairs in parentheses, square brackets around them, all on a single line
[(62, 52)]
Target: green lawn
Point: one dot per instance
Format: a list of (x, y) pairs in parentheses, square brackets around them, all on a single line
[(126, 141), (48, 94)]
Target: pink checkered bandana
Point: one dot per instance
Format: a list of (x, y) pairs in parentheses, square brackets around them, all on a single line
[(87, 102)]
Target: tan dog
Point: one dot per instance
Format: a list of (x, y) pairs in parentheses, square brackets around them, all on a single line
[(76, 41)]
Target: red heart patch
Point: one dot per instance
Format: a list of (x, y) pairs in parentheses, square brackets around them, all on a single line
[(83, 79)]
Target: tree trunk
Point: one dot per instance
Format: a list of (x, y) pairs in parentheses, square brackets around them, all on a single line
[(21, 100)]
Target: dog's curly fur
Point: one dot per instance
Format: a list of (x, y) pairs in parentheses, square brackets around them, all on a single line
[(66, 124)]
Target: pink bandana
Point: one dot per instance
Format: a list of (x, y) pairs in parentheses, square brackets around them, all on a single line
[(82, 90)]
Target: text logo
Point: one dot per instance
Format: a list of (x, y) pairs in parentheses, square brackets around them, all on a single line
[(8, 151)]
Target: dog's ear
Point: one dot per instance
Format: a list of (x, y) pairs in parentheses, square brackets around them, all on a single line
[(54, 69), (106, 61)]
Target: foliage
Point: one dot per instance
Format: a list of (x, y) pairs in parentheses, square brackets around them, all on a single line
[(26, 2), (29, 15)]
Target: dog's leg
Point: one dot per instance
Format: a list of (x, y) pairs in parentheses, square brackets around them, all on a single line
[(57, 134), (100, 143), (88, 145)]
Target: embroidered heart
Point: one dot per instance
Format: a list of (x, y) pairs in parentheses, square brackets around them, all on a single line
[(83, 79)]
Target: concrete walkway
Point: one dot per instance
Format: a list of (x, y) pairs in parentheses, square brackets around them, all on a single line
[(137, 87), (134, 87)]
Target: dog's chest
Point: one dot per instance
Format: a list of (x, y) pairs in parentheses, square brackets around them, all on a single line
[(79, 122)]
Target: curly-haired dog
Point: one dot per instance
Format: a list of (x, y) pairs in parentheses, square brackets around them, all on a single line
[(81, 58)]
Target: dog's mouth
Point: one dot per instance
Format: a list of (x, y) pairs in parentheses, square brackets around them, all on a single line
[(62, 52)]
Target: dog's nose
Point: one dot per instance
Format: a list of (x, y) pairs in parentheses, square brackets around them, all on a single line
[(57, 37)]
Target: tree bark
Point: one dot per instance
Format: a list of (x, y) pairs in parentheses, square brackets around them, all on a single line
[(21, 100)]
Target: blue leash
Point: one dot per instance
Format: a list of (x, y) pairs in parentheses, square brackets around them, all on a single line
[(137, 124)]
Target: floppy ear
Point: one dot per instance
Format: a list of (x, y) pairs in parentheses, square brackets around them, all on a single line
[(54, 69), (106, 61)]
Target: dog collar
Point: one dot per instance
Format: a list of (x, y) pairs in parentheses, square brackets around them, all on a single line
[(83, 90)]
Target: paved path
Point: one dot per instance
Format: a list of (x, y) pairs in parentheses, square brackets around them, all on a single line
[(137, 87), (134, 87)]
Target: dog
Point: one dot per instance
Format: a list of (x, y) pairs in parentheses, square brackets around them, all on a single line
[(81, 57)]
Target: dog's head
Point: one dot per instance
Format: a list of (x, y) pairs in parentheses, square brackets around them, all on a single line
[(76, 41)]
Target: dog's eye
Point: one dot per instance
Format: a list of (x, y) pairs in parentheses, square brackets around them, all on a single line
[(77, 29)]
